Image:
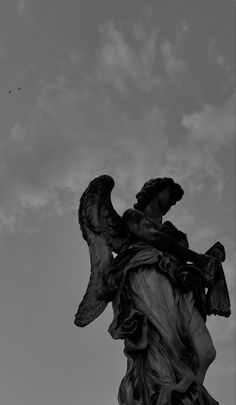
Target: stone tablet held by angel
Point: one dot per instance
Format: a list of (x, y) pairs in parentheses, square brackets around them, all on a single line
[(161, 293)]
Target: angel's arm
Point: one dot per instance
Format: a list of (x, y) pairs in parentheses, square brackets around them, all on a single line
[(139, 226)]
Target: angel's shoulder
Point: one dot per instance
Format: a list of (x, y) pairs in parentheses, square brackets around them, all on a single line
[(133, 220), (131, 214)]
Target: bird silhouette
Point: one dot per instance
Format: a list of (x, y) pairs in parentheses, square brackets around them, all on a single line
[(11, 90)]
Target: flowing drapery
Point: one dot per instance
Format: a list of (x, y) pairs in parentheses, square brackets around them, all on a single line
[(152, 315)]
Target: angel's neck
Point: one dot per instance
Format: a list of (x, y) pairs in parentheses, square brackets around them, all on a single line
[(154, 216)]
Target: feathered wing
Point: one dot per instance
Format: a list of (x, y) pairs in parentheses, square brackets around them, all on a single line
[(92, 306), (101, 228)]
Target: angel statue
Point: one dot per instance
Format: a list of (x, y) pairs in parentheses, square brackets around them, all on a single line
[(161, 293)]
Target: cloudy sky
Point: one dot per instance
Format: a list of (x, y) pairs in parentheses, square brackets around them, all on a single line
[(132, 88)]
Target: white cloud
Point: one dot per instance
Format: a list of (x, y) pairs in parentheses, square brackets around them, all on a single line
[(225, 61), (24, 8), (174, 65), (7, 221), (132, 59), (229, 69), (184, 28), (122, 62), (196, 160), (221, 61), (214, 124), (74, 56), (18, 134), (117, 60)]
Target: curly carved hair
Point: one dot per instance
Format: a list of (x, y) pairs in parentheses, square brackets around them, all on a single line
[(152, 188)]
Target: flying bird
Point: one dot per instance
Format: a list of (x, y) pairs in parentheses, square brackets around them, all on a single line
[(11, 90)]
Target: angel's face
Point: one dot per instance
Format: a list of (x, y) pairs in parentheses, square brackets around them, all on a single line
[(165, 199)]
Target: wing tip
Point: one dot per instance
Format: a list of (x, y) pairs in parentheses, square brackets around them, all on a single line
[(105, 179), (79, 323)]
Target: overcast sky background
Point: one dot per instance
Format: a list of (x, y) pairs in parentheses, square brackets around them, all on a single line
[(132, 88)]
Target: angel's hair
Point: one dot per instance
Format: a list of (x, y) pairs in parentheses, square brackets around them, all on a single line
[(153, 187)]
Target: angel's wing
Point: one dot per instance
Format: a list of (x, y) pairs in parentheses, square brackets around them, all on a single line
[(102, 229)]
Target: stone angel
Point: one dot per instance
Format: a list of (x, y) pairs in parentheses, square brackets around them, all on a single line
[(161, 292)]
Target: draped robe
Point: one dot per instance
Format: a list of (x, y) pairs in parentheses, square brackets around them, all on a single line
[(154, 299)]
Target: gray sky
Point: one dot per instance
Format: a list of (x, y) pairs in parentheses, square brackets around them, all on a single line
[(136, 89)]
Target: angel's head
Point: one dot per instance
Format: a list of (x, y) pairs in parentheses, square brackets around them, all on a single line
[(164, 191)]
